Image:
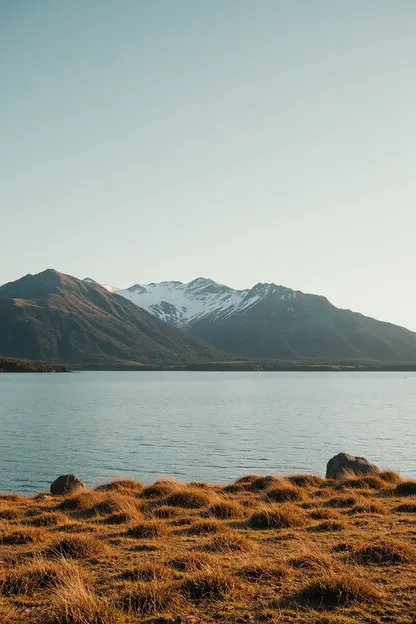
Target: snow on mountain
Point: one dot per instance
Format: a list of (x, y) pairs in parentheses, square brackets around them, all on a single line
[(111, 289), (183, 305)]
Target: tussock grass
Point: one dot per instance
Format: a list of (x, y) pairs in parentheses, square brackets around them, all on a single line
[(73, 602), (265, 483), (188, 498), (305, 480), (165, 511), (147, 529), (150, 598), (48, 519), (225, 510), (10, 513), (80, 502), (208, 585), (116, 502), (77, 547), (119, 555), (368, 482), (120, 485), (188, 562), (205, 527), (323, 513), (365, 506), (246, 479), (406, 508), (263, 570), (122, 517), (330, 525), (406, 488), (285, 493), (279, 517), (389, 476), (20, 536), (13, 498), (342, 502), (159, 489), (384, 552), (335, 590), (36, 576)]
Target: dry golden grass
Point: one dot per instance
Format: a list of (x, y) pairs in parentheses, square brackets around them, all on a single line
[(334, 590), (149, 598), (276, 517), (37, 576), (147, 529), (77, 547), (406, 488), (294, 549), (120, 485), (285, 494), (74, 602)]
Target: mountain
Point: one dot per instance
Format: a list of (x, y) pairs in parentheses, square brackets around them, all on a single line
[(272, 322), (58, 318)]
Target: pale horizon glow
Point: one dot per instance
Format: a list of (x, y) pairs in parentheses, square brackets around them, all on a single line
[(268, 141)]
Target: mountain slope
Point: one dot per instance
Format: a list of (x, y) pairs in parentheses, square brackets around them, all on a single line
[(55, 317), (274, 322)]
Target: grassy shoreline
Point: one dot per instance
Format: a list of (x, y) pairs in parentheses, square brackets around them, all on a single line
[(263, 549), (17, 365)]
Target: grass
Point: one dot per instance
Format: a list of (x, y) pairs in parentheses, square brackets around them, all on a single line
[(294, 549), (285, 493), (208, 585), (225, 510), (188, 498), (406, 488), (384, 552), (149, 598), (338, 590), (77, 547), (147, 529), (36, 576), (279, 517)]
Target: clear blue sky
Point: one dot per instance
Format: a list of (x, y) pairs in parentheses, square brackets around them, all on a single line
[(243, 140)]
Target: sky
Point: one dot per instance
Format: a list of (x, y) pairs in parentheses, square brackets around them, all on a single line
[(242, 140)]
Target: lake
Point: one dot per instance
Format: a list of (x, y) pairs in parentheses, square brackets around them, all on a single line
[(199, 425)]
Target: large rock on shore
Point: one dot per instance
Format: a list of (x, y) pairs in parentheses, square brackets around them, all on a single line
[(343, 464), (65, 484)]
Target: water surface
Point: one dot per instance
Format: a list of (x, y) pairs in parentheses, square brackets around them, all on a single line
[(199, 425)]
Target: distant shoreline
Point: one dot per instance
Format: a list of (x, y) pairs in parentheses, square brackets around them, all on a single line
[(17, 365), (253, 366)]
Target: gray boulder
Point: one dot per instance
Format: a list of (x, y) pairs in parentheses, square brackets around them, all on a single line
[(343, 464), (66, 483)]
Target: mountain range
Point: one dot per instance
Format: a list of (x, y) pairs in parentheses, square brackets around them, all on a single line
[(58, 318), (270, 321)]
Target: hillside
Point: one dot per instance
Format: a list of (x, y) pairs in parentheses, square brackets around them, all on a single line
[(273, 322), (55, 317), (297, 549)]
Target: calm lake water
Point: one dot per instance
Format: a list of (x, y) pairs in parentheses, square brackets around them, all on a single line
[(199, 425)]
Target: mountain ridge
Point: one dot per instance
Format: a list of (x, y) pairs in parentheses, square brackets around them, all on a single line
[(55, 317), (270, 321)]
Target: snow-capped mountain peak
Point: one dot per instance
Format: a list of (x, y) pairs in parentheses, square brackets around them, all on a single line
[(184, 304)]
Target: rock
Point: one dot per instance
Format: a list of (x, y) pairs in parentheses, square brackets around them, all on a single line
[(65, 484), (343, 464)]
